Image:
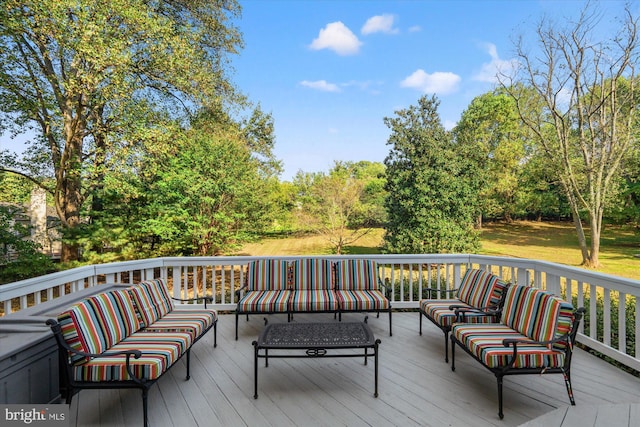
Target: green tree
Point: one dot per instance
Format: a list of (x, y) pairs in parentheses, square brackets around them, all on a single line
[(490, 134), (337, 205), (432, 199), (91, 76), (587, 88)]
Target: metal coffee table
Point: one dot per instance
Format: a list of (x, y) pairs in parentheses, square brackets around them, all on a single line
[(316, 339)]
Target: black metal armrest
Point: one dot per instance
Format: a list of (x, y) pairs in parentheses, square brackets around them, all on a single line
[(197, 299), (386, 289), (239, 291)]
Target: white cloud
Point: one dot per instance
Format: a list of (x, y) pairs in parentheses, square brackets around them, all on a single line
[(379, 24), (415, 29), (337, 37), (490, 71), (322, 85), (438, 82)]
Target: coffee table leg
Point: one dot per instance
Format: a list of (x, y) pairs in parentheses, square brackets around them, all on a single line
[(375, 349), (365, 355), (255, 369)]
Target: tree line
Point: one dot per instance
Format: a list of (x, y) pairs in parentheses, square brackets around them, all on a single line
[(146, 148)]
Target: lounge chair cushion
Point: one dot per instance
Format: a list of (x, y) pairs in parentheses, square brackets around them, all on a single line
[(264, 302), (312, 273), (439, 311), (537, 314), (479, 288), (306, 300), (267, 275), (356, 274), (194, 322), (362, 300), (485, 342), (97, 323), (157, 356), (152, 300)]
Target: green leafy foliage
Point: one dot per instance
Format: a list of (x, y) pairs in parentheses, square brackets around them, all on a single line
[(432, 197), (19, 257)]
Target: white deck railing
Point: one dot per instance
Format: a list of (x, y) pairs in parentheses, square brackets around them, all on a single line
[(407, 275)]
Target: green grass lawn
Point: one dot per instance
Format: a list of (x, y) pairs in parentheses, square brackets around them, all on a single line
[(549, 241)]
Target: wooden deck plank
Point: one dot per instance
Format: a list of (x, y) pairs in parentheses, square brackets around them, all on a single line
[(416, 386)]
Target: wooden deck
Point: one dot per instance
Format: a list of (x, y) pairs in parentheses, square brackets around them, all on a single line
[(417, 388)]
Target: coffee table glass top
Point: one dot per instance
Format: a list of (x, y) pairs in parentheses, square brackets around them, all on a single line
[(321, 335)]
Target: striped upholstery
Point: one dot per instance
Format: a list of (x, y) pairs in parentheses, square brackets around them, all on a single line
[(264, 302), (313, 300), (267, 275), (529, 314), (362, 300), (95, 324), (312, 273), (485, 342), (358, 274), (480, 288), (194, 322), (158, 354), (152, 300), (439, 311), (536, 314)]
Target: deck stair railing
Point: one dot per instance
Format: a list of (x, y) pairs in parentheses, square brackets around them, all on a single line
[(611, 326)]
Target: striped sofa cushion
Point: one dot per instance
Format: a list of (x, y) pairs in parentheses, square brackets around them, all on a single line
[(362, 300), (479, 288), (305, 300), (95, 324), (312, 273), (152, 300), (485, 342), (359, 274), (264, 302), (194, 322), (439, 311), (267, 275), (157, 356), (537, 314)]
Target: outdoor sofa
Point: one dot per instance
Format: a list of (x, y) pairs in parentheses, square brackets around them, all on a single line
[(312, 285), (127, 338), (478, 289), (535, 335)]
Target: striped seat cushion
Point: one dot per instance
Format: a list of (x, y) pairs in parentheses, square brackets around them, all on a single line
[(362, 300), (157, 356), (537, 314), (95, 324), (268, 275), (312, 273), (194, 322), (358, 274), (480, 288), (485, 342), (265, 302), (439, 311), (313, 300), (152, 300)]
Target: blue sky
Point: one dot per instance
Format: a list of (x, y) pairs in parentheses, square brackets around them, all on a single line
[(329, 71)]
